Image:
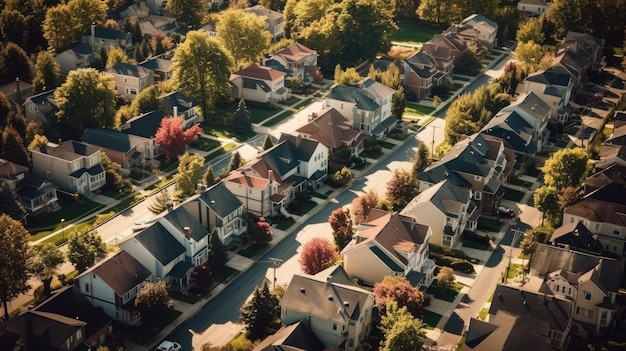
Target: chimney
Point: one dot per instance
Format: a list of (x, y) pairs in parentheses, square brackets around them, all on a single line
[(200, 188), (60, 141), (329, 279), (270, 175), (175, 111), (17, 88), (187, 232), (93, 36), (170, 206)]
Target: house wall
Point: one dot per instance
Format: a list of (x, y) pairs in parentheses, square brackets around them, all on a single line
[(254, 200), (129, 87), (429, 214), (363, 264), (139, 252), (145, 146), (55, 169), (345, 108), (606, 233), (531, 8), (586, 310), (319, 161)]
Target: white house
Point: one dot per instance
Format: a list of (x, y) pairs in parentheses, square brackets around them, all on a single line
[(259, 83), (554, 88), (487, 29)]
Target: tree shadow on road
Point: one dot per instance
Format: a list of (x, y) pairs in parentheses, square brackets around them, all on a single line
[(455, 325)]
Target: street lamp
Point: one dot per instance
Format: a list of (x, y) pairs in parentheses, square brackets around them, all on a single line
[(63, 229), (275, 264)]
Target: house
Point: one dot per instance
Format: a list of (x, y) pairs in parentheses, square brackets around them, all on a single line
[(35, 331), (339, 312), (156, 6), (130, 80), (389, 244), (113, 284), (142, 130), (602, 212), (12, 173), (487, 29), (569, 62), (260, 84), (367, 105), (41, 108), (116, 145), (100, 37), (533, 7), (589, 281), (500, 332), (465, 32), (37, 194), (297, 61), (613, 173), (254, 191), (73, 165), (156, 23), (576, 236), (181, 105), (447, 209), (588, 46), (78, 56), (447, 50), (160, 67), (536, 112), (554, 88), (333, 130), (273, 20), (211, 29), (218, 209), (479, 163), (17, 91), (421, 74), (295, 337), (611, 154), (618, 136)]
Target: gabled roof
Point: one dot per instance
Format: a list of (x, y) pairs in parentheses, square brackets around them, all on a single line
[(481, 21), (331, 129), (609, 152), (491, 335), (447, 40), (446, 197), (220, 200), (615, 173), (106, 33), (550, 77), (247, 179), (127, 69), (302, 148), (260, 72), (180, 218), (121, 272), (379, 90), (43, 330), (160, 243), (570, 62), (77, 50), (577, 237), (353, 95), (295, 337), (294, 52), (10, 170), (533, 2), (529, 104), (157, 64), (33, 186), (178, 100), (144, 125), (259, 10), (106, 138), (422, 64), (70, 150), (512, 129)]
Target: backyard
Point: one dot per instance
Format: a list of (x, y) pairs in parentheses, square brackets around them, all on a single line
[(413, 33)]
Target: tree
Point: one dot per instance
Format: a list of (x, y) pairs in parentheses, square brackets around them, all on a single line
[(160, 202), (160, 43), (243, 34), (568, 196), (59, 29), (235, 162), (342, 225), (13, 260), (146, 101), (86, 92), (546, 201), (13, 147), (16, 63), (217, 252), (530, 30), (209, 179), (44, 262), (47, 72), (87, 12), (189, 175), (189, 12), (275, 5), (539, 234), (399, 290), (241, 119), (10, 203), (82, 248), (422, 159), (38, 141), (436, 101), (260, 231), (445, 278), (362, 205), (13, 26), (469, 63), (398, 103), (343, 176), (530, 56), (401, 330), (114, 178), (317, 255), (267, 142), (201, 69), (261, 311), (438, 12), (401, 189), (566, 167), (348, 77), (173, 138), (153, 300), (116, 55)]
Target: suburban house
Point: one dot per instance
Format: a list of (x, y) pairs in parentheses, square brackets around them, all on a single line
[(211, 29), (160, 67), (487, 29), (447, 209), (273, 20), (465, 32), (38, 194), (533, 8), (421, 74), (35, 331), (259, 83), (338, 311), (218, 209), (142, 130), (113, 284), (554, 88), (78, 56), (479, 163), (181, 105), (576, 237), (613, 173), (602, 212), (447, 50), (610, 154), (253, 190), (12, 173), (367, 105), (156, 23), (191, 234), (116, 145), (588, 46), (295, 337), (589, 281), (130, 80), (100, 37), (73, 165), (17, 91), (389, 244), (41, 108), (569, 62), (333, 130), (519, 317), (155, 6), (297, 61)]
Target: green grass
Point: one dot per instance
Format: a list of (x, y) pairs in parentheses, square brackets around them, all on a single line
[(279, 118), (225, 274), (318, 195), (147, 334), (283, 223), (473, 244), (513, 195), (490, 297), (446, 295), (360, 166), (522, 183), (412, 33), (562, 143), (302, 103), (373, 154), (205, 144), (308, 206), (260, 114), (488, 224), (385, 144), (252, 250), (463, 79), (224, 149), (482, 314), (431, 318), (417, 110), (70, 210), (224, 131)]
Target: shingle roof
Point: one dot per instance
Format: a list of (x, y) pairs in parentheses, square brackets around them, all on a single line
[(354, 95), (331, 129), (144, 125), (157, 64), (225, 202), (33, 186), (110, 139), (9, 170), (43, 330), (577, 237), (446, 197), (70, 150), (127, 69), (615, 173), (181, 218), (121, 272), (422, 64), (295, 337), (550, 77), (259, 10), (260, 72), (294, 52), (106, 33), (160, 243)]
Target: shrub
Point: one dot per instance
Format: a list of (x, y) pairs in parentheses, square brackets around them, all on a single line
[(463, 266)]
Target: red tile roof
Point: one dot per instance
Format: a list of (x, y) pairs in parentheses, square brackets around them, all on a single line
[(260, 72)]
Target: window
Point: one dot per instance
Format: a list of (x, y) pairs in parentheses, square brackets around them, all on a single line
[(571, 220), (478, 195), (617, 231), (478, 178), (597, 227), (87, 288), (334, 326), (587, 295)]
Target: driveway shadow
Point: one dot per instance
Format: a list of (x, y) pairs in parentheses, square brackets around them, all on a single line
[(455, 325)]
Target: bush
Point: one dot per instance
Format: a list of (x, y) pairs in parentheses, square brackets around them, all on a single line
[(458, 264), (448, 251), (463, 266)]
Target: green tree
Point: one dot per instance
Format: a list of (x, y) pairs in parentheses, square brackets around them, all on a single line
[(235, 162), (38, 141), (401, 189), (160, 202), (189, 175), (566, 167), (401, 330), (16, 63), (241, 119), (568, 196), (114, 178), (44, 263), (546, 200), (82, 248), (422, 159), (209, 179), (147, 100), (173, 138), (261, 311), (202, 69), (342, 177), (116, 55), (398, 103), (10, 203), (13, 148), (244, 35), (348, 77), (189, 12), (218, 256), (469, 63), (398, 290), (87, 12), (530, 30), (14, 26), (160, 43), (300, 14), (317, 255), (13, 260), (153, 300), (267, 142), (530, 56), (362, 205), (341, 223), (47, 72), (86, 92), (59, 29), (275, 5), (445, 278), (539, 234), (436, 101), (439, 12)]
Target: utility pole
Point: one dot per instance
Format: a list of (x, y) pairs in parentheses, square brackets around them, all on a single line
[(517, 234)]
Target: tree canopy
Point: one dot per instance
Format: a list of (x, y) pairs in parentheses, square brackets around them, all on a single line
[(82, 248), (173, 138), (10, 204), (317, 255), (44, 262), (241, 119), (13, 260), (401, 189), (341, 222), (530, 30), (399, 290), (47, 72), (153, 300), (160, 202), (401, 330), (189, 175), (261, 311), (546, 200), (566, 168), (189, 12), (243, 34), (362, 205)]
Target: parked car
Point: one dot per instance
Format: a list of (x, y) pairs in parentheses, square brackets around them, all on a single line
[(505, 211), (169, 346)]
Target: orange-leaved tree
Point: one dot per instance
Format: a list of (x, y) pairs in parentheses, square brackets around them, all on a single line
[(172, 137)]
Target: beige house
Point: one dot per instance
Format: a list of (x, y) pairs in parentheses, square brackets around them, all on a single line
[(533, 7), (130, 80), (389, 244), (78, 56), (260, 84), (252, 190), (486, 28), (554, 88), (297, 60), (273, 20)]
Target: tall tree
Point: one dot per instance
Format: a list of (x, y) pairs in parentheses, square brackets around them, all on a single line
[(401, 189), (267, 142), (13, 148), (13, 260), (235, 162), (362, 205), (530, 30), (438, 12), (422, 159), (160, 43), (343, 229), (160, 202), (47, 72), (317, 255), (209, 179), (147, 100), (348, 77), (87, 12), (540, 234), (274, 5), (445, 278), (261, 311), (399, 290), (401, 330), (531, 56), (189, 175), (82, 248), (44, 263), (10, 204), (202, 69), (116, 55), (218, 256), (244, 35), (566, 167), (14, 26), (16, 63), (398, 103), (86, 92), (189, 12), (241, 119), (546, 200), (59, 29), (153, 300), (173, 138)]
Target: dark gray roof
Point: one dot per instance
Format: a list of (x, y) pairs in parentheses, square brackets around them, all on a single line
[(121, 272), (422, 64), (447, 197), (577, 237), (550, 77), (354, 95), (386, 259), (178, 99), (160, 243), (295, 337), (181, 218), (41, 330), (128, 69), (144, 125), (33, 186), (157, 64), (106, 33), (95, 170), (304, 147), (225, 202), (110, 139)]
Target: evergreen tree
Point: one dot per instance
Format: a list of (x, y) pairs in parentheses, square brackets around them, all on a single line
[(241, 119), (209, 179), (260, 312), (217, 253), (10, 203), (160, 202), (235, 162), (13, 147), (422, 159), (267, 142)]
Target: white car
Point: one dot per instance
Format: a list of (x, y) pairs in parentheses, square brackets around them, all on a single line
[(169, 346)]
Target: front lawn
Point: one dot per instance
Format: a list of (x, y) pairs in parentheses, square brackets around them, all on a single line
[(225, 274), (417, 110), (150, 329), (318, 195), (522, 183), (71, 209), (302, 103), (513, 195), (414, 33), (260, 114), (385, 144), (447, 295), (224, 149), (373, 154), (205, 144), (252, 250), (489, 225), (431, 319), (282, 223), (278, 118)]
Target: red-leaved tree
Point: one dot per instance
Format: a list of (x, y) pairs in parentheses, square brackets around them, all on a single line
[(362, 205), (341, 222), (400, 290), (317, 255), (173, 138)]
